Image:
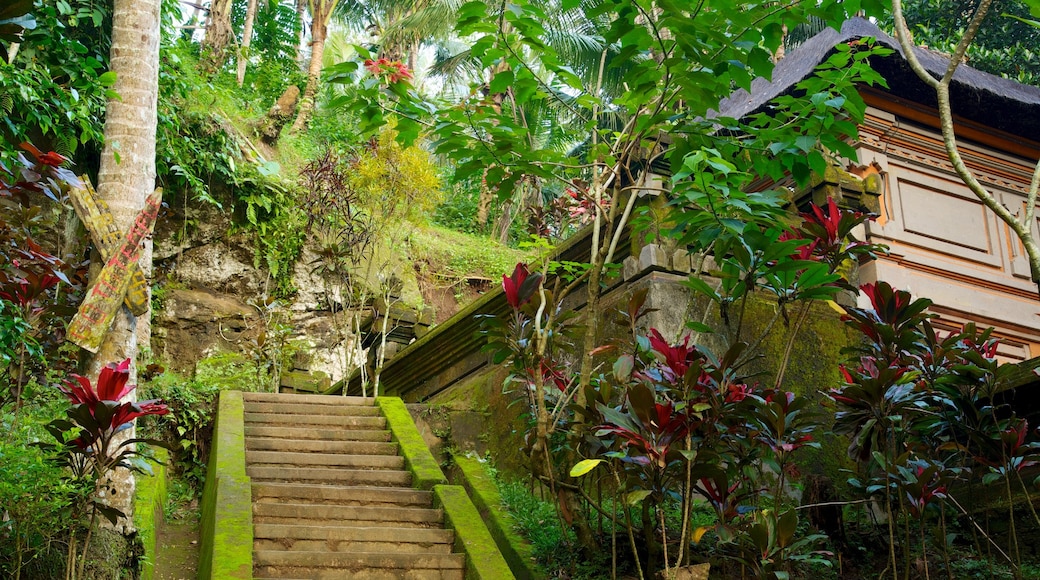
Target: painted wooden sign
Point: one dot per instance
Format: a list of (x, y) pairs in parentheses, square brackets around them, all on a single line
[(95, 215), (95, 315)]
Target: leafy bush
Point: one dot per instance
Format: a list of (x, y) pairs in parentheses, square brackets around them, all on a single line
[(36, 501), (188, 430), (57, 84)]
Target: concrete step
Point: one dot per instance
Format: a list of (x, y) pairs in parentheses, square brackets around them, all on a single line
[(293, 573), (293, 408), (292, 459), (313, 434), (341, 495), (275, 419), (342, 539), (319, 399), (346, 515), (320, 446), (350, 565), (376, 477)]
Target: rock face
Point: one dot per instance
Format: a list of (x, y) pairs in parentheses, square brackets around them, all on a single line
[(195, 323), (211, 298)]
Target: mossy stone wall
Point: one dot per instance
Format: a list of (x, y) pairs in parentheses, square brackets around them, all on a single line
[(148, 511), (517, 551), (426, 472), (484, 561), (226, 546), (813, 367)]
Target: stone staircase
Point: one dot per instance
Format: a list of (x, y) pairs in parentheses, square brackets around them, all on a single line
[(332, 498)]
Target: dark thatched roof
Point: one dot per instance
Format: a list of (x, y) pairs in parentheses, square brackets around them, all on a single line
[(981, 97)]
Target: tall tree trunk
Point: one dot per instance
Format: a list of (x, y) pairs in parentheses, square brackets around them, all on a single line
[(301, 43), (130, 124), (318, 32), (487, 194), (218, 34), (247, 37)]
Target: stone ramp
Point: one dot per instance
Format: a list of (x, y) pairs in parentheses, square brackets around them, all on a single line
[(332, 498)]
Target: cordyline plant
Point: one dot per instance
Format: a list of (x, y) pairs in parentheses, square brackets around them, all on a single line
[(921, 408), (33, 282), (92, 443), (672, 422)]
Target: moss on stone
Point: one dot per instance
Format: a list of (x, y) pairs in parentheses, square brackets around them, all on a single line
[(517, 551), (426, 472), (484, 561), (111, 555), (506, 413), (226, 549), (148, 506)]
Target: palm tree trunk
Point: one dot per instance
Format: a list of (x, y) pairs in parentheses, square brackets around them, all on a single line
[(318, 32), (247, 37), (130, 125)]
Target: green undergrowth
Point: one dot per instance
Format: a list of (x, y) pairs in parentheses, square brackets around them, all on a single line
[(453, 254), (555, 547)]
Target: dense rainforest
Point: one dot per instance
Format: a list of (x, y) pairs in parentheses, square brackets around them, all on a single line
[(331, 175)]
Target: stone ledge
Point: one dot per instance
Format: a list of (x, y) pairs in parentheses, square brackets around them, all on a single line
[(426, 472), (518, 552), (483, 559), (226, 549)]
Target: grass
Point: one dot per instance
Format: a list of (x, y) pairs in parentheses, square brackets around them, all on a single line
[(458, 255)]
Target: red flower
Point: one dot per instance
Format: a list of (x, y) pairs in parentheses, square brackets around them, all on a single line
[(511, 286)]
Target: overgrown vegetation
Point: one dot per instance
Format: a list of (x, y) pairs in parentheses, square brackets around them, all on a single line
[(536, 119)]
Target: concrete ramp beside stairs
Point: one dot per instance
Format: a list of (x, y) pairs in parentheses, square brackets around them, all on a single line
[(343, 487)]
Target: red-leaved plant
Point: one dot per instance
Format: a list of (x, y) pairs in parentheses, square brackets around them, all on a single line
[(90, 443)]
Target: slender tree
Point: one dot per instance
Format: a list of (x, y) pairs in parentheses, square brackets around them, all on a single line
[(247, 38), (321, 14), (218, 33)]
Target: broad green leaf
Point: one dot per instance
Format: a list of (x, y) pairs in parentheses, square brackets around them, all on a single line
[(584, 466), (107, 79)]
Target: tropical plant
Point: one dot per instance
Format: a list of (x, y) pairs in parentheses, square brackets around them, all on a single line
[(92, 444), (36, 287), (54, 82)]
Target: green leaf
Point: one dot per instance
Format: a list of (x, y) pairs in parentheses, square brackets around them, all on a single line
[(1034, 7), (584, 466), (623, 368), (107, 79), (501, 82), (636, 497)]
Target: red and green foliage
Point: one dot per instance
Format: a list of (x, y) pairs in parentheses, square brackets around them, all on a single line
[(37, 288)]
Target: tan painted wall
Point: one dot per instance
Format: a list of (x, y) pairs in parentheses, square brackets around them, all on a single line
[(945, 245)]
